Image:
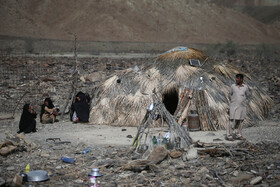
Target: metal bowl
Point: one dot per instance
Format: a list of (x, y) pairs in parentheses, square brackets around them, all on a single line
[(37, 176)]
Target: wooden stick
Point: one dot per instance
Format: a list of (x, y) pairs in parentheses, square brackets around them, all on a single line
[(75, 78), (11, 117), (185, 113)]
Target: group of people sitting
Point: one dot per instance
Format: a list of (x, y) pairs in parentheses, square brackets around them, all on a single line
[(79, 112)]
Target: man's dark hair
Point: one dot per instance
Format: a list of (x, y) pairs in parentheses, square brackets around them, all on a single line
[(241, 76)]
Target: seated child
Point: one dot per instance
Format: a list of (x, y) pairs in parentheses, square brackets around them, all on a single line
[(48, 112)]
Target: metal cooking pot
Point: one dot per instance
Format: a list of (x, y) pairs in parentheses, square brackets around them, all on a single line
[(37, 176)]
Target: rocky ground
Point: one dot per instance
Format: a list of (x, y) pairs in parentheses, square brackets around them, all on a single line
[(211, 161)]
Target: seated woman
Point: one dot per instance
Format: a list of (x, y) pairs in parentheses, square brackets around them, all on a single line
[(80, 109), (27, 122), (48, 112)]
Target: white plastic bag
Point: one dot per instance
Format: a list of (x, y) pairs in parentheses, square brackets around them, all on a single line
[(74, 117)]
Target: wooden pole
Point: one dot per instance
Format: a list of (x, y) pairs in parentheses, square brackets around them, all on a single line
[(74, 76)]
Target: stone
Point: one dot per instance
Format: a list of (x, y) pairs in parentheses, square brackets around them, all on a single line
[(17, 181), (2, 181), (203, 185), (203, 171), (256, 180), (186, 181), (4, 151), (44, 154), (210, 134), (175, 154), (180, 165), (197, 178), (79, 181), (191, 154), (144, 172), (158, 155), (277, 184), (241, 178), (82, 79), (208, 177), (172, 180), (10, 168), (235, 173), (254, 172), (21, 136)]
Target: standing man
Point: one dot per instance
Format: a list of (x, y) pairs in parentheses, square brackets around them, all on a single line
[(238, 95)]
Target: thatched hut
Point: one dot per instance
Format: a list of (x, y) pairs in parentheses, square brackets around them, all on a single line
[(180, 85)]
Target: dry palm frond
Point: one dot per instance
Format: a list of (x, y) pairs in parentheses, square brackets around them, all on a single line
[(149, 81), (184, 73), (188, 53), (224, 71), (127, 94)]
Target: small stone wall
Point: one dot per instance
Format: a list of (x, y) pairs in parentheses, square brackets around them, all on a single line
[(32, 79)]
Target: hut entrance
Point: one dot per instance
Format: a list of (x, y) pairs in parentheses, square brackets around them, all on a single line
[(170, 100)]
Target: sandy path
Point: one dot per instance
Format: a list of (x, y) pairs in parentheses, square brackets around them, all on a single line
[(102, 135)]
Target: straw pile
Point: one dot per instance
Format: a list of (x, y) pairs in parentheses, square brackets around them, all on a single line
[(127, 94)]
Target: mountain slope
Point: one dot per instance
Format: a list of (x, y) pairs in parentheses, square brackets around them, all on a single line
[(129, 20)]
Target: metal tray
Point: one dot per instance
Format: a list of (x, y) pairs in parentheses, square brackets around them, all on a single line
[(37, 176)]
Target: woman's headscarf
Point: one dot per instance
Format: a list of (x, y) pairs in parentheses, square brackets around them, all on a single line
[(25, 109), (81, 107), (27, 123), (80, 95)]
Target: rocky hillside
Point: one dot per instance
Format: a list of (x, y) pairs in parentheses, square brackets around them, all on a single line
[(193, 21)]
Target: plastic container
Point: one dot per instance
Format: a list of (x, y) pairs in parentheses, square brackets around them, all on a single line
[(185, 126), (68, 160), (27, 168), (154, 140), (159, 139), (92, 181), (164, 142), (86, 150)]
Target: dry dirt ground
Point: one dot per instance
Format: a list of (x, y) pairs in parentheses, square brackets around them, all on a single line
[(255, 161), (103, 135)]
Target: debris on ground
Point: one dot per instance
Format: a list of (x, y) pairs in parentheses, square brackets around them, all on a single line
[(214, 165)]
